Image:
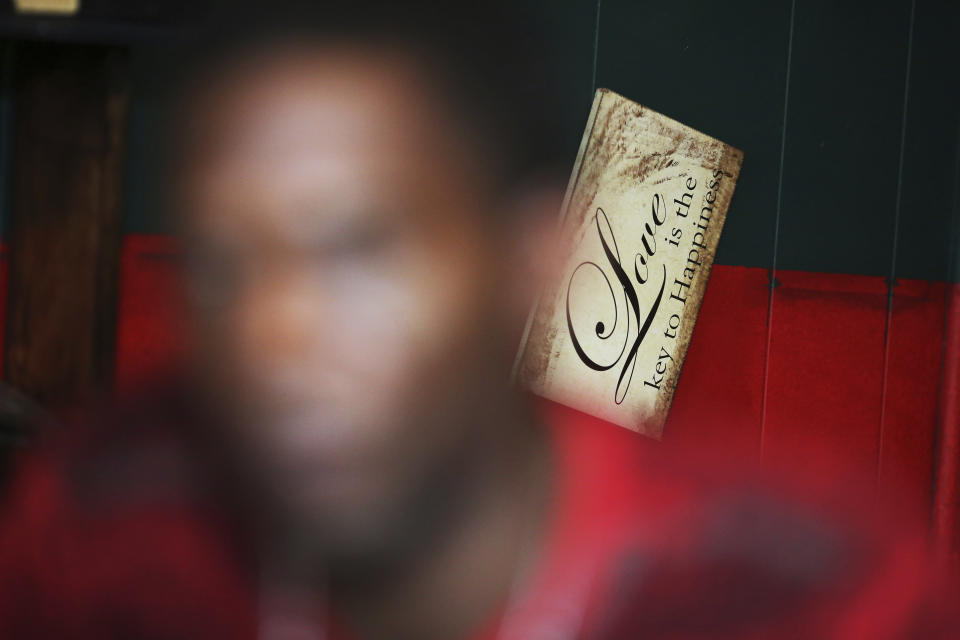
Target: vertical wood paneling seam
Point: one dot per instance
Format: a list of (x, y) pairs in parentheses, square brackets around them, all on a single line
[(944, 505), (891, 280), (596, 51), (776, 230)]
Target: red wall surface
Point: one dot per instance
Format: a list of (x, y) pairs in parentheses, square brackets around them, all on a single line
[(809, 383)]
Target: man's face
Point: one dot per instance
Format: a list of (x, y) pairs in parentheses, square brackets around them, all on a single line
[(346, 282)]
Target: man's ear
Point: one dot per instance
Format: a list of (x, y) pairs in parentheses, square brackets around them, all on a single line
[(532, 245)]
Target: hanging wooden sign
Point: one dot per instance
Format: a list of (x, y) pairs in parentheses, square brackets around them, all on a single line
[(641, 221)]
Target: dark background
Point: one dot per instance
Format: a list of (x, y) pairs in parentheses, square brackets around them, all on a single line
[(823, 152)]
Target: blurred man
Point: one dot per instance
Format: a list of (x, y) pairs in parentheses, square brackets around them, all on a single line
[(366, 204), (358, 265)]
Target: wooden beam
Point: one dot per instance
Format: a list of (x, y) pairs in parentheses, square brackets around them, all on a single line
[(70, 104)]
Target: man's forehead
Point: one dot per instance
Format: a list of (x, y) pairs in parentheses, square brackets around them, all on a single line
[(334, 95), (292, 134)]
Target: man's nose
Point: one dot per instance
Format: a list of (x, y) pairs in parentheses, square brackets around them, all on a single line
[(283, 325)]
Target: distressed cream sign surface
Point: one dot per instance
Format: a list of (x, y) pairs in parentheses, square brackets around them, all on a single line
[(643, 214)]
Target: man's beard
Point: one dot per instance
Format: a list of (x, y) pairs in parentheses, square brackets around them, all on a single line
[(392, 527)]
